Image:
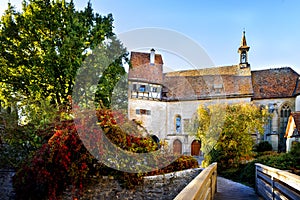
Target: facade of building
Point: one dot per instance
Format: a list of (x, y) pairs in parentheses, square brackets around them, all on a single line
[(292, 133), (167, 102)]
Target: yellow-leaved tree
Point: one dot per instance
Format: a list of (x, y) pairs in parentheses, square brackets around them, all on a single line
[(228, 132)]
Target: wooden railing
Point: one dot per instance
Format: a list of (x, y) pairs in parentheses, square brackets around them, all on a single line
[(273, 183), (202, 187)]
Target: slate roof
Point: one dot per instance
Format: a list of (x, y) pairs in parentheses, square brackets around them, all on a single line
[(274, 83), (141, 70)]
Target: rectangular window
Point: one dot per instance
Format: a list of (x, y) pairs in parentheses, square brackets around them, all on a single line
[(178, 124), (143, 112), (134, 87), (142, 88), (154, 89)]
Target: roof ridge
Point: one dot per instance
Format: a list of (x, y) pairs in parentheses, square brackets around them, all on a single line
[(275, 68)]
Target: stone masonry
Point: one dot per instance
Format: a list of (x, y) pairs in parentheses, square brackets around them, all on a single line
[(154, 187)]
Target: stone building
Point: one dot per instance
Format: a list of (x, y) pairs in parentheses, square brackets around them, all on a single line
[(166, 102)]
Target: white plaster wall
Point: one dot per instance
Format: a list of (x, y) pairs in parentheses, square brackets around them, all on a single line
[(186, 109), (161, 122), (154, 123), (289, 142), (297, 103), (273, 140)]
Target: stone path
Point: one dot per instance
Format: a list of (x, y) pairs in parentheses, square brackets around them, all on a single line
[(227, 189)]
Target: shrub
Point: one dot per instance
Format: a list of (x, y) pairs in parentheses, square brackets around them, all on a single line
[(263, 146), (20, 142), (284, 161), (64, 160), (61, 162)]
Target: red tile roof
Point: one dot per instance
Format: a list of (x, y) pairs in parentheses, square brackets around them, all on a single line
[(206, 87), (274, 83), (297, 89), (142, 70), (207, 83), (226, 81), (140, 58)]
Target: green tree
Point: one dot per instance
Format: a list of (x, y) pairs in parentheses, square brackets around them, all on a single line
[(43, 46), (226, 132), (42, 49)]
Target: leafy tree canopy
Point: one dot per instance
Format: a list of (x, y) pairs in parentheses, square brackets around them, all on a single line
[(226, 131), (43, 46)]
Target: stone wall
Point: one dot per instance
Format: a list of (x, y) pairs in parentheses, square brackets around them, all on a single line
[(6, 188), (154, 187), (169, 185)]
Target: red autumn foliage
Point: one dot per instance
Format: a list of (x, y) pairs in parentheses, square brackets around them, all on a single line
[(64, 160)]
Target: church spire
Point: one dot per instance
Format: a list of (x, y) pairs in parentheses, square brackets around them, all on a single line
[(243, 51), (244, 42)]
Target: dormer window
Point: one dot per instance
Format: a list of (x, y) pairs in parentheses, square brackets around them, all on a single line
[(218, 88)]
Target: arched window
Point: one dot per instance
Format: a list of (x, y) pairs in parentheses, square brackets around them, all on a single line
[(178, 123), (177, 147), (284, 117)]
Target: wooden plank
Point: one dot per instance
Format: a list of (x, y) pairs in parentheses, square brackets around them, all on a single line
[(265, 185), (265, 177), (286, 177), (208, 195), (199, 187), (264, 189), (267, 195), (280, 196), (285, 191)]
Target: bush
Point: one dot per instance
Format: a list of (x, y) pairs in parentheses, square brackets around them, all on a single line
[(63, 160), (284, 161), (181, 163), (263, 146)]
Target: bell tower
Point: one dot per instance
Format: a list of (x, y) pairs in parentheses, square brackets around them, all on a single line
[(243, 51)]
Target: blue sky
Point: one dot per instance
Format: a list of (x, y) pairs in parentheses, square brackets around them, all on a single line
[(272, 26)]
